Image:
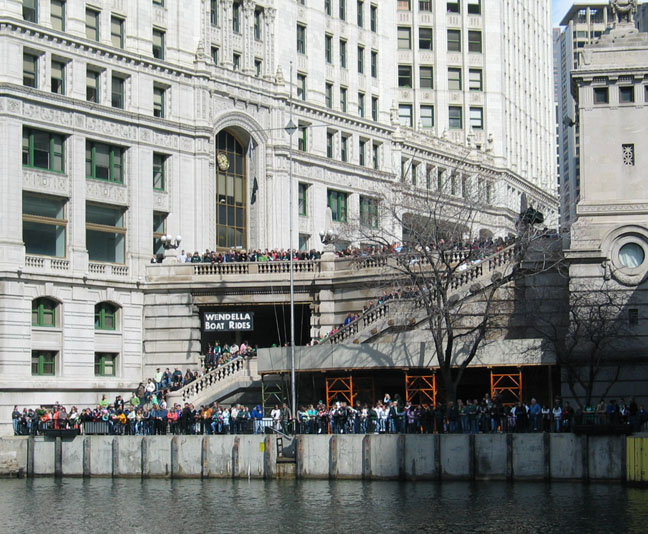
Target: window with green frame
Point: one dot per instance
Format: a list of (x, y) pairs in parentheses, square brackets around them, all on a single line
[(105, 364), (104, 162), (44, 224), (369, 212), (105, 316), (57, 15), (105, 233), (30, 10), (158, 101), (158, 44), (159, 172), (44, 363), (44, 312), (159, 229), (337, 201), (42, 150), (302, 199), (231, 193)]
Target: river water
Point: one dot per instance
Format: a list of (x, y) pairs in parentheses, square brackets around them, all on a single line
[(47, 505)]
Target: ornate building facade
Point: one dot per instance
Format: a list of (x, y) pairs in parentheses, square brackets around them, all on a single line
[(142, 119)]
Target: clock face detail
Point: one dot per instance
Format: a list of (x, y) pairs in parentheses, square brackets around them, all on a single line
[(223, 161)]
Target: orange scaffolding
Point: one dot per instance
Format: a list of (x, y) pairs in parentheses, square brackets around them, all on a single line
[(423, 387), (339, 386), (503, 383)]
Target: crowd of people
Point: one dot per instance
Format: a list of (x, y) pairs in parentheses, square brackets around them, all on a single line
[(217, 355), (386, 416)]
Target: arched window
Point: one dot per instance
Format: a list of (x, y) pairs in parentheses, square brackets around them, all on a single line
[(105, 316), (230, 192), (44, 312)]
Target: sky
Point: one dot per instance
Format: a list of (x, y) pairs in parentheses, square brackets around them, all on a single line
[(559, 9)]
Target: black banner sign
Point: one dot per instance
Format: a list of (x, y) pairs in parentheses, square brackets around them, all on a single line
[(228, 321)]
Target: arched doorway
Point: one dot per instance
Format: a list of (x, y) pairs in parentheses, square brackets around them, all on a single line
[(231, 192)]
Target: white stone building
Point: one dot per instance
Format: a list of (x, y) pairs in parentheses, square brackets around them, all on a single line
[(139, 119)]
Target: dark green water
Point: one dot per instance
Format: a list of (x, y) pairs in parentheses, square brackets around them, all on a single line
[(161, 506)]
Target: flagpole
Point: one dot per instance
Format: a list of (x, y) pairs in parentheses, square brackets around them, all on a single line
[(291, 131)]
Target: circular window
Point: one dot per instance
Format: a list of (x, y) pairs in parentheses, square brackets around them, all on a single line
[(631, 255)]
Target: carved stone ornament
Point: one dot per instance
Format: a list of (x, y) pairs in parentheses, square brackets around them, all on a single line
[(103, 192), (624, 11)]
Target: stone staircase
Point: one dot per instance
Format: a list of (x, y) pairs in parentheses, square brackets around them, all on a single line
[(218, 384), (408, 312)]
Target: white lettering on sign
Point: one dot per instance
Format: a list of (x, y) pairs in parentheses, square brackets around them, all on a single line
[(224, 322)]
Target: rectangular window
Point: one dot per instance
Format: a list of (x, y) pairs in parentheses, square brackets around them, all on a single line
[(475, 41), (374, 108), (236, 61), (158, 3), (214, 54), (302, 199), (477, 118), (404, 38), (329, 144), (328, 48), (105, 233), (30, 10), (454, 79), (405, 76), (104, 162), (302, 140), (405, 115), (455, 117), (368, 212), (425, 5), (158, 101), (92, 85), (453, 6), (474, 7), (42, 150), (105, 364), (44, 225), (258, 24), (426, 77), (343, 55), (257, 66), (92, 24), (327, 7), (601, 96), (373, 17), (337, 201), (425, 39), (159, 172), (30, 70), (454, 40), (44, 312), (328, 95), (301, 86), (57, 15), (158, 44), (301, 39), (361, 104), (117, 92), (626, 94), (362, 152), (213, 12), (376, 155), (374, 64), (159, 230), (342, 10), (360, 9), (475, 81), (117, 32), (58, 77), (343, 99), (236, 17), (403, 5), (43, 363), (361, 54), (427, 117), (344, 148)]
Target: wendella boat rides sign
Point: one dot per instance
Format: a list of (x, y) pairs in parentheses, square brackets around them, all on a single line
[(228, 321)]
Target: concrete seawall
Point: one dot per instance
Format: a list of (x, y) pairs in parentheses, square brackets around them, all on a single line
[(368, 457)]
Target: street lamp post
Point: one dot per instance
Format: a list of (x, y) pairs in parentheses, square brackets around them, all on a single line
[(291, 128)]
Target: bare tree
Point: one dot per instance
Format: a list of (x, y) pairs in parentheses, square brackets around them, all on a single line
[(451, 267), (586, 332)]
